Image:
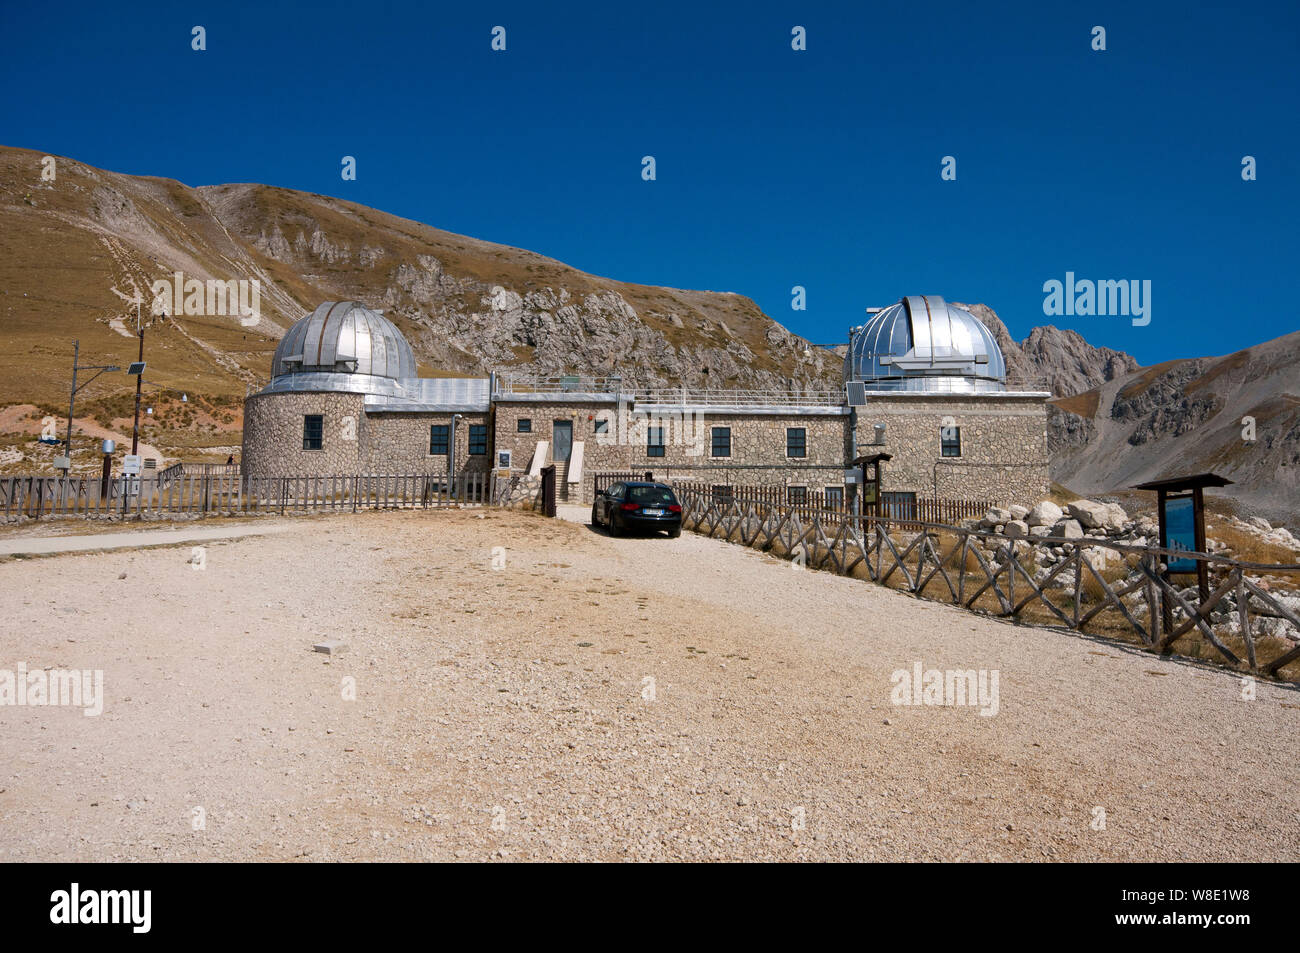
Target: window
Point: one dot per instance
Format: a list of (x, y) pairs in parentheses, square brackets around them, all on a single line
[(651, 495), (950, 441), (835, 497), (796, 442), (438, 440), (796, 495), (525, 425), (721, 441), (615, 492), (313, 431), (478, 440), (654, 442), (602, 426), (899, 506), (722, 494)]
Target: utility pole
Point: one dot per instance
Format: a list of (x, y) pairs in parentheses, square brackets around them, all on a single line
[(135, 428), (67, 446)]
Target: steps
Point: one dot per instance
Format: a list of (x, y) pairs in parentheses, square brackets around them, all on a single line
[(562, 481)]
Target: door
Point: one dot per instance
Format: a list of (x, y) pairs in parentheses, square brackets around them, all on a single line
[(563, 441), (606, 500)]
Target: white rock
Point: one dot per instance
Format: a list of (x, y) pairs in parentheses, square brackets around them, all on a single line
[(1045, 513), (1068, 529), (1018, 512), (995, 516), (1017, 529), (1090, 514)]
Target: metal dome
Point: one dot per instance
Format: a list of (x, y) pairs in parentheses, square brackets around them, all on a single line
[(344, 337), (922, 343)]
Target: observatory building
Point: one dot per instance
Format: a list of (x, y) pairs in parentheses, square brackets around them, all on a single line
[(924, 382)]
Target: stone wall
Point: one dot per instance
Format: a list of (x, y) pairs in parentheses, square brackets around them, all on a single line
[(1003, 445), (273, 425), (352, 440), (399, 443), (758, 444)]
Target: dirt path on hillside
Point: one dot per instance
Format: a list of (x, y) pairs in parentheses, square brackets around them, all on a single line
[(507, 713)]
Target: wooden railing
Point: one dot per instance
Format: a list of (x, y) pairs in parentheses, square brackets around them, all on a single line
[(229, 494), (952, 564), (832, 506)]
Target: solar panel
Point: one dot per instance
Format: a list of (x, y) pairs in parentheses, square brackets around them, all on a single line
[(857, 392)]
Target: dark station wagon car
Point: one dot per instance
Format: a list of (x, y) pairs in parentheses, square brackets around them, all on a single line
[(626, 507)]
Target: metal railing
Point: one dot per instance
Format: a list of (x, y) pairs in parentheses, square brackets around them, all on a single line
[(679, 396)]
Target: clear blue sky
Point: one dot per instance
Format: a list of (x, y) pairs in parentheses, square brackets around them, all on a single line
[(775, 168)]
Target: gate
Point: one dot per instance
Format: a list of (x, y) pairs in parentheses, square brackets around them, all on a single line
[(548, 490)]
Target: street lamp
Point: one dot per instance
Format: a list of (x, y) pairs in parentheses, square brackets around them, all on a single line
[(66, 461)]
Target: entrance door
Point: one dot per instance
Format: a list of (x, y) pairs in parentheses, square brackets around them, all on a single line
[(563, 441)]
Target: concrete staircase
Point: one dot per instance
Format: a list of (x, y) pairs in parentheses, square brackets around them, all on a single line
[(562, 481)]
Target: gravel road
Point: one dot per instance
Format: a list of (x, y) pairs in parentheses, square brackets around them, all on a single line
[(509, 714)]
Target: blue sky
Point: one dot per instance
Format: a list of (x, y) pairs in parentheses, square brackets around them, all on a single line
[(775, 168)]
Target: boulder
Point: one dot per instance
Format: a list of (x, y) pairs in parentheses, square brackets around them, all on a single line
[(1261, 524), (1116, 518), (1091, 515), (1037, 531), (1068, 529), (1018, 512), (1045, 513), (1099, 557), (995, 516), (1017, 529)]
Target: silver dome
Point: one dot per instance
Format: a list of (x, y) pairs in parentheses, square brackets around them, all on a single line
[(922, 343), (344, 337)]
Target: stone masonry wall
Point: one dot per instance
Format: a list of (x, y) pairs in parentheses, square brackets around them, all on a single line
[(399, 443), (352, 440), (1003, 445), (758, 444), (273, 425)]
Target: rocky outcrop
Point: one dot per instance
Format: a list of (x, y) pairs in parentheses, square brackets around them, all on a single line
[(1164, 407), (1063, 360)]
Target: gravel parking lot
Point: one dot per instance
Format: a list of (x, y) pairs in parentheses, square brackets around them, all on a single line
[(596, 699)]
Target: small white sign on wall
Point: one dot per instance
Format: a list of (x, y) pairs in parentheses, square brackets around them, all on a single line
[(503, 459)]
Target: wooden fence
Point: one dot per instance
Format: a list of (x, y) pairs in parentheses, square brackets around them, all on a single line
[(1132, 600), (230, 494)]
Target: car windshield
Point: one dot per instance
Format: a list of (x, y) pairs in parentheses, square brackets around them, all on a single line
[(647, 495)]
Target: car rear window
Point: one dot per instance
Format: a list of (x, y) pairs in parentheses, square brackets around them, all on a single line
[(650, 494)]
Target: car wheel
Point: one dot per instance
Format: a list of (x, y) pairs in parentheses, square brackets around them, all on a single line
[(613, 526), (594, 520), (674, 533)]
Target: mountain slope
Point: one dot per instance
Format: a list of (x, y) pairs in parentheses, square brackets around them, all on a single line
[(78, 250), (1186, 416)]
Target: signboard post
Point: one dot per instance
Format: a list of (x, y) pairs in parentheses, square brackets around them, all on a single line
[(1180, 508)]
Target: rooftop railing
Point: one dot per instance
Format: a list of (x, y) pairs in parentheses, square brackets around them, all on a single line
[(616, 388)]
